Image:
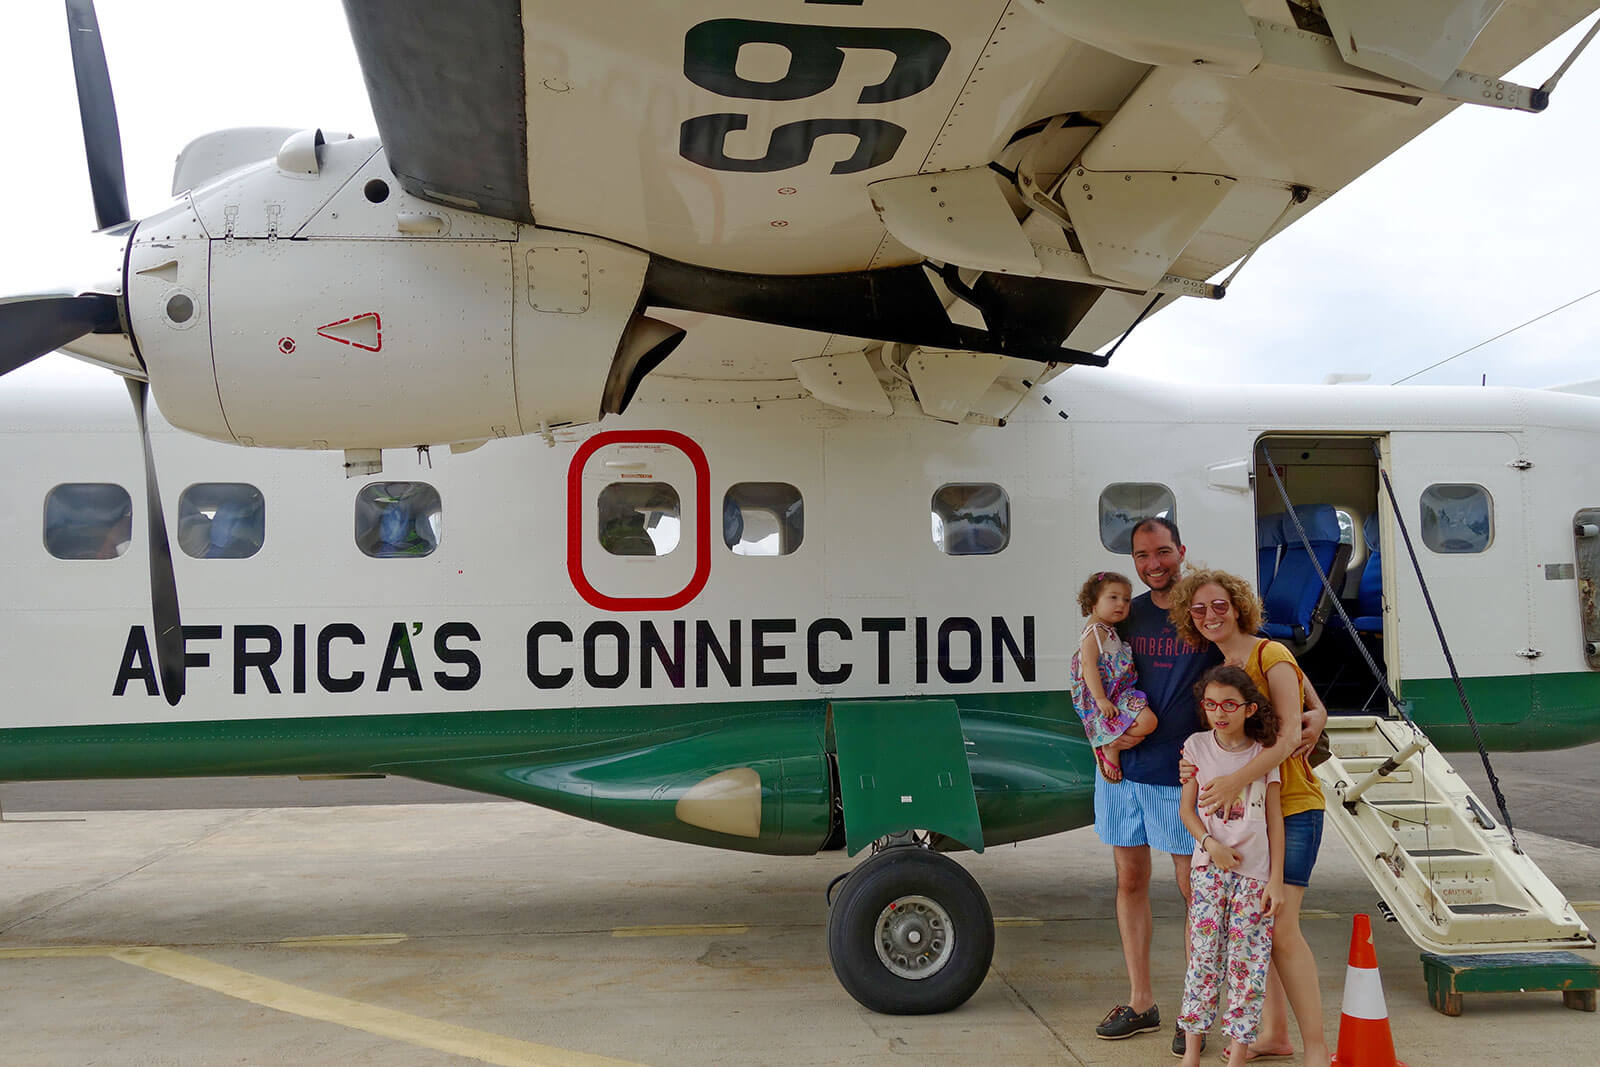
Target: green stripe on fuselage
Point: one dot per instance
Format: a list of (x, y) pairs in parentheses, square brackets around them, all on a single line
[(1032, 771), (627, 766), (1515, 714)]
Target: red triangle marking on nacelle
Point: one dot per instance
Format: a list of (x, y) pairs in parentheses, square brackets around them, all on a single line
[(360, 326)]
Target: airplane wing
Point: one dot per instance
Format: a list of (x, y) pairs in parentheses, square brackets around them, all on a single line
[(839, 172)]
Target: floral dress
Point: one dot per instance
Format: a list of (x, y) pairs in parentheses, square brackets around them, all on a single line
[(1120, 682)]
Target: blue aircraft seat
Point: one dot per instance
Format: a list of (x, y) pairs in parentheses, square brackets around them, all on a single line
[(1269, 547), (1368, 618), (1294, 600)]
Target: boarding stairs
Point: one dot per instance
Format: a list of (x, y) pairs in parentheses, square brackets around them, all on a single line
[(1448, 871)]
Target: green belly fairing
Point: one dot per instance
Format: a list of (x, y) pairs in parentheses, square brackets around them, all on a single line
[(626, 767), (1032, 771)]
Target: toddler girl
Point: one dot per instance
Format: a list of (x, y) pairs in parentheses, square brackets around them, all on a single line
[(1237, 871), (1105, 693)]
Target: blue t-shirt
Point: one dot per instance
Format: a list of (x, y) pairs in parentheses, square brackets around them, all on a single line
[(1168, 668)]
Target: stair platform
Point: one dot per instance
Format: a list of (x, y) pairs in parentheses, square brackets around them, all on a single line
[(1573, 976), (1446, 869)]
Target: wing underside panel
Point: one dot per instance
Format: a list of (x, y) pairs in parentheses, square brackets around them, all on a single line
[(1142, 146)]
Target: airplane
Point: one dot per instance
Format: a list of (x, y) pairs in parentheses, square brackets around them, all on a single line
[(846, 258)]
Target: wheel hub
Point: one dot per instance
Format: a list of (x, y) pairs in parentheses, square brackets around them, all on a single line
[(914, 937)]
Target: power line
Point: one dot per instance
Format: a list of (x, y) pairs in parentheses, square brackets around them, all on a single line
[(1497, 336)]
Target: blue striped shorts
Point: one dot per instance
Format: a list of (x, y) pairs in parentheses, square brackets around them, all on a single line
[(1136, 813)]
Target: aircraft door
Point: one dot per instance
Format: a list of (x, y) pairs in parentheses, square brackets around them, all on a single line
[(1586, 532), (639, 520), (1462, 498)]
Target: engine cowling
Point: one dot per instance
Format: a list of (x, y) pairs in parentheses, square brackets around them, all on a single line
[(307, 301)]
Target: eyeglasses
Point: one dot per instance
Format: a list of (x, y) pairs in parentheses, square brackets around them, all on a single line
[(1218, 607), (1229, 706)]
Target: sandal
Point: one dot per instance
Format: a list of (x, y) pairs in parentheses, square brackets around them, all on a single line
[(1252, 1056), (1108, 770)]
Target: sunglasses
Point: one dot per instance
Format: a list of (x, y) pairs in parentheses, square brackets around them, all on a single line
[(1217, 607), (1229, 706)]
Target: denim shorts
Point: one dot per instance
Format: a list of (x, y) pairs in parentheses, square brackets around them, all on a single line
[(1302, 839)]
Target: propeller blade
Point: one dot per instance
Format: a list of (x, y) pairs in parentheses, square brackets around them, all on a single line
[(163, 584), (101, 140), (31, 326)]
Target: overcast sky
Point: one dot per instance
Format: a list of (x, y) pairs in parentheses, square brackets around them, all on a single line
[(1486, 221)]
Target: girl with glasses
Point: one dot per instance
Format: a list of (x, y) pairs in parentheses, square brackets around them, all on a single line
[(1222, 608), (1237, 880)]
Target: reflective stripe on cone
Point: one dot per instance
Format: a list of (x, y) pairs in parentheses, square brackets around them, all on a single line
[(1363, 994)]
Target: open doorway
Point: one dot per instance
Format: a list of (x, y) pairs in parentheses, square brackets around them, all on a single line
[(1332, 488)]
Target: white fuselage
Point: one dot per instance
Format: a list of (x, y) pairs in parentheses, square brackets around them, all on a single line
[(310, 626)]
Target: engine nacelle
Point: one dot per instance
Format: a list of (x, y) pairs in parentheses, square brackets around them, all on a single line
[(307, 301)]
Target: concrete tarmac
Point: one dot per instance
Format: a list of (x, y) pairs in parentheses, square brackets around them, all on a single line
[(500, 933)]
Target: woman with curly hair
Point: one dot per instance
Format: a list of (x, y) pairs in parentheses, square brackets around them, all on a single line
[(1222, 608)]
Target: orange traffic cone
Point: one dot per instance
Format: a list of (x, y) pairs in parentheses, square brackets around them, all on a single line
[(1364, 1037)]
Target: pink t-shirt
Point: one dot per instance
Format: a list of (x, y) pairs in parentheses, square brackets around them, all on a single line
[(1241, 825)]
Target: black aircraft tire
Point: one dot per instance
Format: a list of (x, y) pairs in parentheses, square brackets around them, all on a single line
[(958, 936)]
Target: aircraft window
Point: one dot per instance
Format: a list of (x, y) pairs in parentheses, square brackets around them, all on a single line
[(221, 520), (1457, 518), (763, 519), (971, 519), (1347, 527), (88, 520), (398, 519), (1123, 505), (639, 518)]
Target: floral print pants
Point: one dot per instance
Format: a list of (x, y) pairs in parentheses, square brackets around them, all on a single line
[(1226, 929)]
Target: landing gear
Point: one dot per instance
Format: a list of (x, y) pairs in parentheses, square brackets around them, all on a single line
[(910, 933)]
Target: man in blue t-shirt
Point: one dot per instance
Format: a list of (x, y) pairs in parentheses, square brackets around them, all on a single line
[(1142, 810)]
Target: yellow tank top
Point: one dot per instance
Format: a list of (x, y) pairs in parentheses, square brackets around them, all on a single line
[(1300, 790)]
